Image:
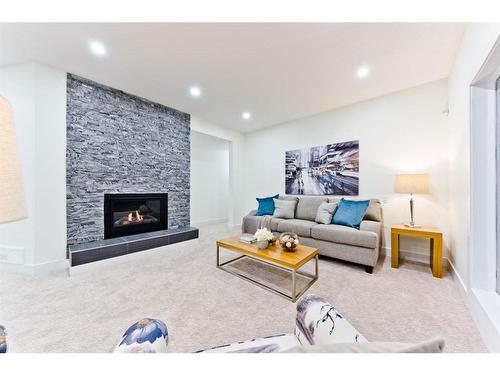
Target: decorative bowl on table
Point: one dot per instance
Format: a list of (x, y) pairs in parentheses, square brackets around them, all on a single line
[(289, 241)]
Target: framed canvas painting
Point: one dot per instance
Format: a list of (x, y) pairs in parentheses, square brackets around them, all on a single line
[(323, 170)]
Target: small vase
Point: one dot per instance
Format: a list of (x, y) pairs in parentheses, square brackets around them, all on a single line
[(262, 244)]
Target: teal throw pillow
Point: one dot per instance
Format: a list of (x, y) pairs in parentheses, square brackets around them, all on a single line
[(266, 205), (350, 213)]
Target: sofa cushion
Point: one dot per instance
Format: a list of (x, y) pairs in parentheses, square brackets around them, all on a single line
[(297, 226), (274, 223), (374, 211), (307, 207), (345, 235), (284, 208)]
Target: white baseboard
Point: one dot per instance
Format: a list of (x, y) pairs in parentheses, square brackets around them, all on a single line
[(36, 269), (412, 256), (462, 287), (209, 222), (482, 314), (485, 314)]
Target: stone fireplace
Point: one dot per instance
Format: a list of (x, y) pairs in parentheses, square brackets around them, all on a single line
[(120, 149)]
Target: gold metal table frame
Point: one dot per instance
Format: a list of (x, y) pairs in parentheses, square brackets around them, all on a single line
[(294, 295)]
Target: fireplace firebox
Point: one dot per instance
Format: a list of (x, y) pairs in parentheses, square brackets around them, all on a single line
[(134, 213)]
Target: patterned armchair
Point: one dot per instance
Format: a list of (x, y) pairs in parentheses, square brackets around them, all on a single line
[(3, 340), (317, 323)]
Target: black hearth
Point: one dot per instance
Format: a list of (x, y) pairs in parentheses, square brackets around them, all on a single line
[(133, 213)]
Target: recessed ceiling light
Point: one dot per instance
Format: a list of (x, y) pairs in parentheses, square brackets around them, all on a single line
[(246, 115), (195, 91), (363, 71), (97, 48)]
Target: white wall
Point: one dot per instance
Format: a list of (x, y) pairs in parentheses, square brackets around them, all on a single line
[(236, 165), (209, 179), (402, 132), (50, 233), (476, 44), (38, 96)]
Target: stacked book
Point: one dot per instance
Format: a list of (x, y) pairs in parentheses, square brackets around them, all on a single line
[(248, 239)]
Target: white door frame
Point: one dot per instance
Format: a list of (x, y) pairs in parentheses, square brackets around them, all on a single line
[(482, 296)]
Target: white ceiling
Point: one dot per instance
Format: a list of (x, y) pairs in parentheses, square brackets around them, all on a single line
[(277, 71)]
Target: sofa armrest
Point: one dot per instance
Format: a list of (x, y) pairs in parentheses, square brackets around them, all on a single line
[(250, 222), (319, 323), (371, 226), (374, 227)]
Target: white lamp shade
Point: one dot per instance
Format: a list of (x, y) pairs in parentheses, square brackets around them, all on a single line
[(12, 205), (412, 183)]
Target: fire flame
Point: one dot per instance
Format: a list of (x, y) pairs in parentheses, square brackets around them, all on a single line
[(135, 218), (138, 216)]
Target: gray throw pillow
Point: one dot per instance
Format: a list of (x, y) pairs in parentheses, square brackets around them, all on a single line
[(374, 211), (325, 213), (284, 209)]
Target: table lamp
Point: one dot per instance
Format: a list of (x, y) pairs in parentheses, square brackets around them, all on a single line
[(12, 205), (412, 184)]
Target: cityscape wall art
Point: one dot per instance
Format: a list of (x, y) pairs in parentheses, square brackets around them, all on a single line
[(323, 170)]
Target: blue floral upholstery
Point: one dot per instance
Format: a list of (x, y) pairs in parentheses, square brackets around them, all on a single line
[(145, 336), (3, 340), (319, 323)]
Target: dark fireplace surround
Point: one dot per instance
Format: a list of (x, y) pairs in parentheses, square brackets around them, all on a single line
[(133, 213), (132, 222)]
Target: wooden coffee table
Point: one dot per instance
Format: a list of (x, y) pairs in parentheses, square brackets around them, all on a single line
[(273, 256)]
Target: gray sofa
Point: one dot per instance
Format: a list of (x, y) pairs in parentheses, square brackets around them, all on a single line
[(359, 246)]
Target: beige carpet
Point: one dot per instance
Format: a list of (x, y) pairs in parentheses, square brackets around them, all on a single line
[(203, 306)]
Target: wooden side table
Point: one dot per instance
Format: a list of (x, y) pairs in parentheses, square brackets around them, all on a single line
[(436, 239)]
